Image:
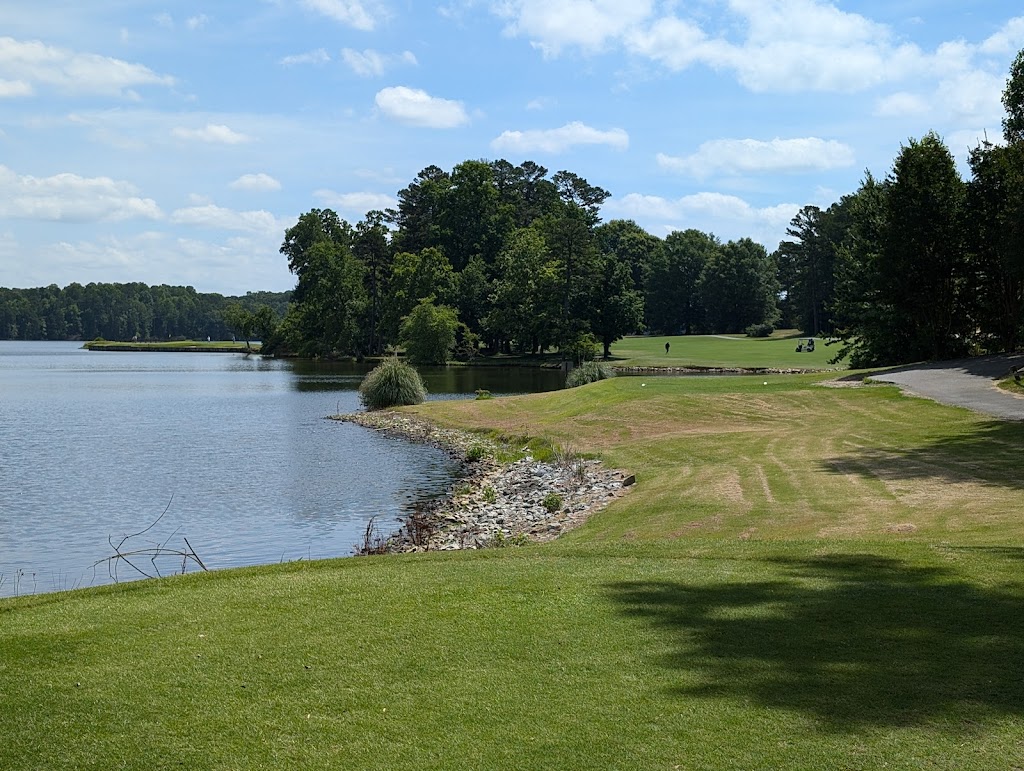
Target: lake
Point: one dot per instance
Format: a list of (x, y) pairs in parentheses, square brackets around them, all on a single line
[(96, 445)]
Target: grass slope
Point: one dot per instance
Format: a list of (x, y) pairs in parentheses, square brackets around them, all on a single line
[(186, 346), (776, 352), (757, 602)]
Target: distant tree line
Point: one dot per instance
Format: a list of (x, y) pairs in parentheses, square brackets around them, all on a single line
[(124, 312)]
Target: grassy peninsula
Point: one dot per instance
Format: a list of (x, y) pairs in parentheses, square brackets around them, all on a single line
[(177, 346), (803, 577)]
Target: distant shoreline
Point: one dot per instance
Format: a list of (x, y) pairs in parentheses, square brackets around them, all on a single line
[(185, 346)]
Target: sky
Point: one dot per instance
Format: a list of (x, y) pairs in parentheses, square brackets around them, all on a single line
[(174, 142)]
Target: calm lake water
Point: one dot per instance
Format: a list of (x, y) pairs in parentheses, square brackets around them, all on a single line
[(96, 445)]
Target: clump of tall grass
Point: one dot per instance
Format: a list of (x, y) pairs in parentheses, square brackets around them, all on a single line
[(588, 372), (391, 383)]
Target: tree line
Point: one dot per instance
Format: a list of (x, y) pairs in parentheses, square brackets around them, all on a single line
[(124, 312), (508, 259)]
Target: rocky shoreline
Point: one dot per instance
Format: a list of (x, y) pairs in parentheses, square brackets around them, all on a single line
[(495, 503)]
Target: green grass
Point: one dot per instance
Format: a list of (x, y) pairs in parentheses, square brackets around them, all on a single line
[(180, 345), (776, 352), (803, 577), (1011, 385)]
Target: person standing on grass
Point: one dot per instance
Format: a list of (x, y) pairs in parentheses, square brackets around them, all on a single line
[(666, 349)]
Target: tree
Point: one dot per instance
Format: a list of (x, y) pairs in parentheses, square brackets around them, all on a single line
[(522, 291), (618, 308), (240, 321), (428, 333), (415, 277), (631, 244), (807, 265), (370, 246), (922, 261), (738, 288), (673, 303)]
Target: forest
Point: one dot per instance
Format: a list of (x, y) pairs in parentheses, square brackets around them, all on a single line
[(132, 311), (496, 257)]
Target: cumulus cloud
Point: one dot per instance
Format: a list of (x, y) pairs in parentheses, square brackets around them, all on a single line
[(359, 203), (33, 63), (902, 104), (768, 45), (213, 217), (259, 183), (318, 56), (352, 13), (197, 22), (553, 25), (727, 216), (751, 156), (213, 133), (559, 139), (1008, 40), (371, 63), (418, 108), (71, 198)]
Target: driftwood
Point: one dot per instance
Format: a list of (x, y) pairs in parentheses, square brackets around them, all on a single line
[(132, 556)]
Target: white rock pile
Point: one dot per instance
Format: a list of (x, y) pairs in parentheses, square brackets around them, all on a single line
[(495, 504)]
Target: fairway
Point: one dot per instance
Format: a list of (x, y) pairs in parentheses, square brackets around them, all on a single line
[(776, 352), (803, 577)]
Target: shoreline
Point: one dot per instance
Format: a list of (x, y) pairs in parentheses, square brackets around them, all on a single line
[(494, 503)]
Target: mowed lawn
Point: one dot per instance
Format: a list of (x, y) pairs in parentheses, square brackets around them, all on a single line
[(776, 352), (803, 577)]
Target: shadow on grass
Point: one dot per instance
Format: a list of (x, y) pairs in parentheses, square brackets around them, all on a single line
[(992, 454), (853, 641)]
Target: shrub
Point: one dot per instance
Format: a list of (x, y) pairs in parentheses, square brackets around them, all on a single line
[(583, 348), (483, 394), (490, 494), (588, 372), (759, 330), (552, 502), (391, 383), (475, 453)]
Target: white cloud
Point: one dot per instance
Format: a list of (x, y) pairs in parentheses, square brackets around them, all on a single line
[(9, 88), (727, 216), (72, 198), (352, 13), (153, 257), (1008, 40), (559, 139), (197, 22), (359, 203), (369, 63), (751, 156), (769, 45), (259, 183), (418, 108), (35, 63), (214, 133), (164, 20), (213, 217), (552, 25), (902, 104), (318, 56)]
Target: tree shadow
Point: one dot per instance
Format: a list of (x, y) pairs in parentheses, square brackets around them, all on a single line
[(992, 454), (853, 641)]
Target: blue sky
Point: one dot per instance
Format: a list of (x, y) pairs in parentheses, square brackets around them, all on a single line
[(174, 142)]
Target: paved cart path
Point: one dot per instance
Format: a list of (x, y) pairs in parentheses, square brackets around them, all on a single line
[(969, 383)]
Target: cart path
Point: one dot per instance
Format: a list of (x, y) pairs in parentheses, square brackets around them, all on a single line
[(969, 383)]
